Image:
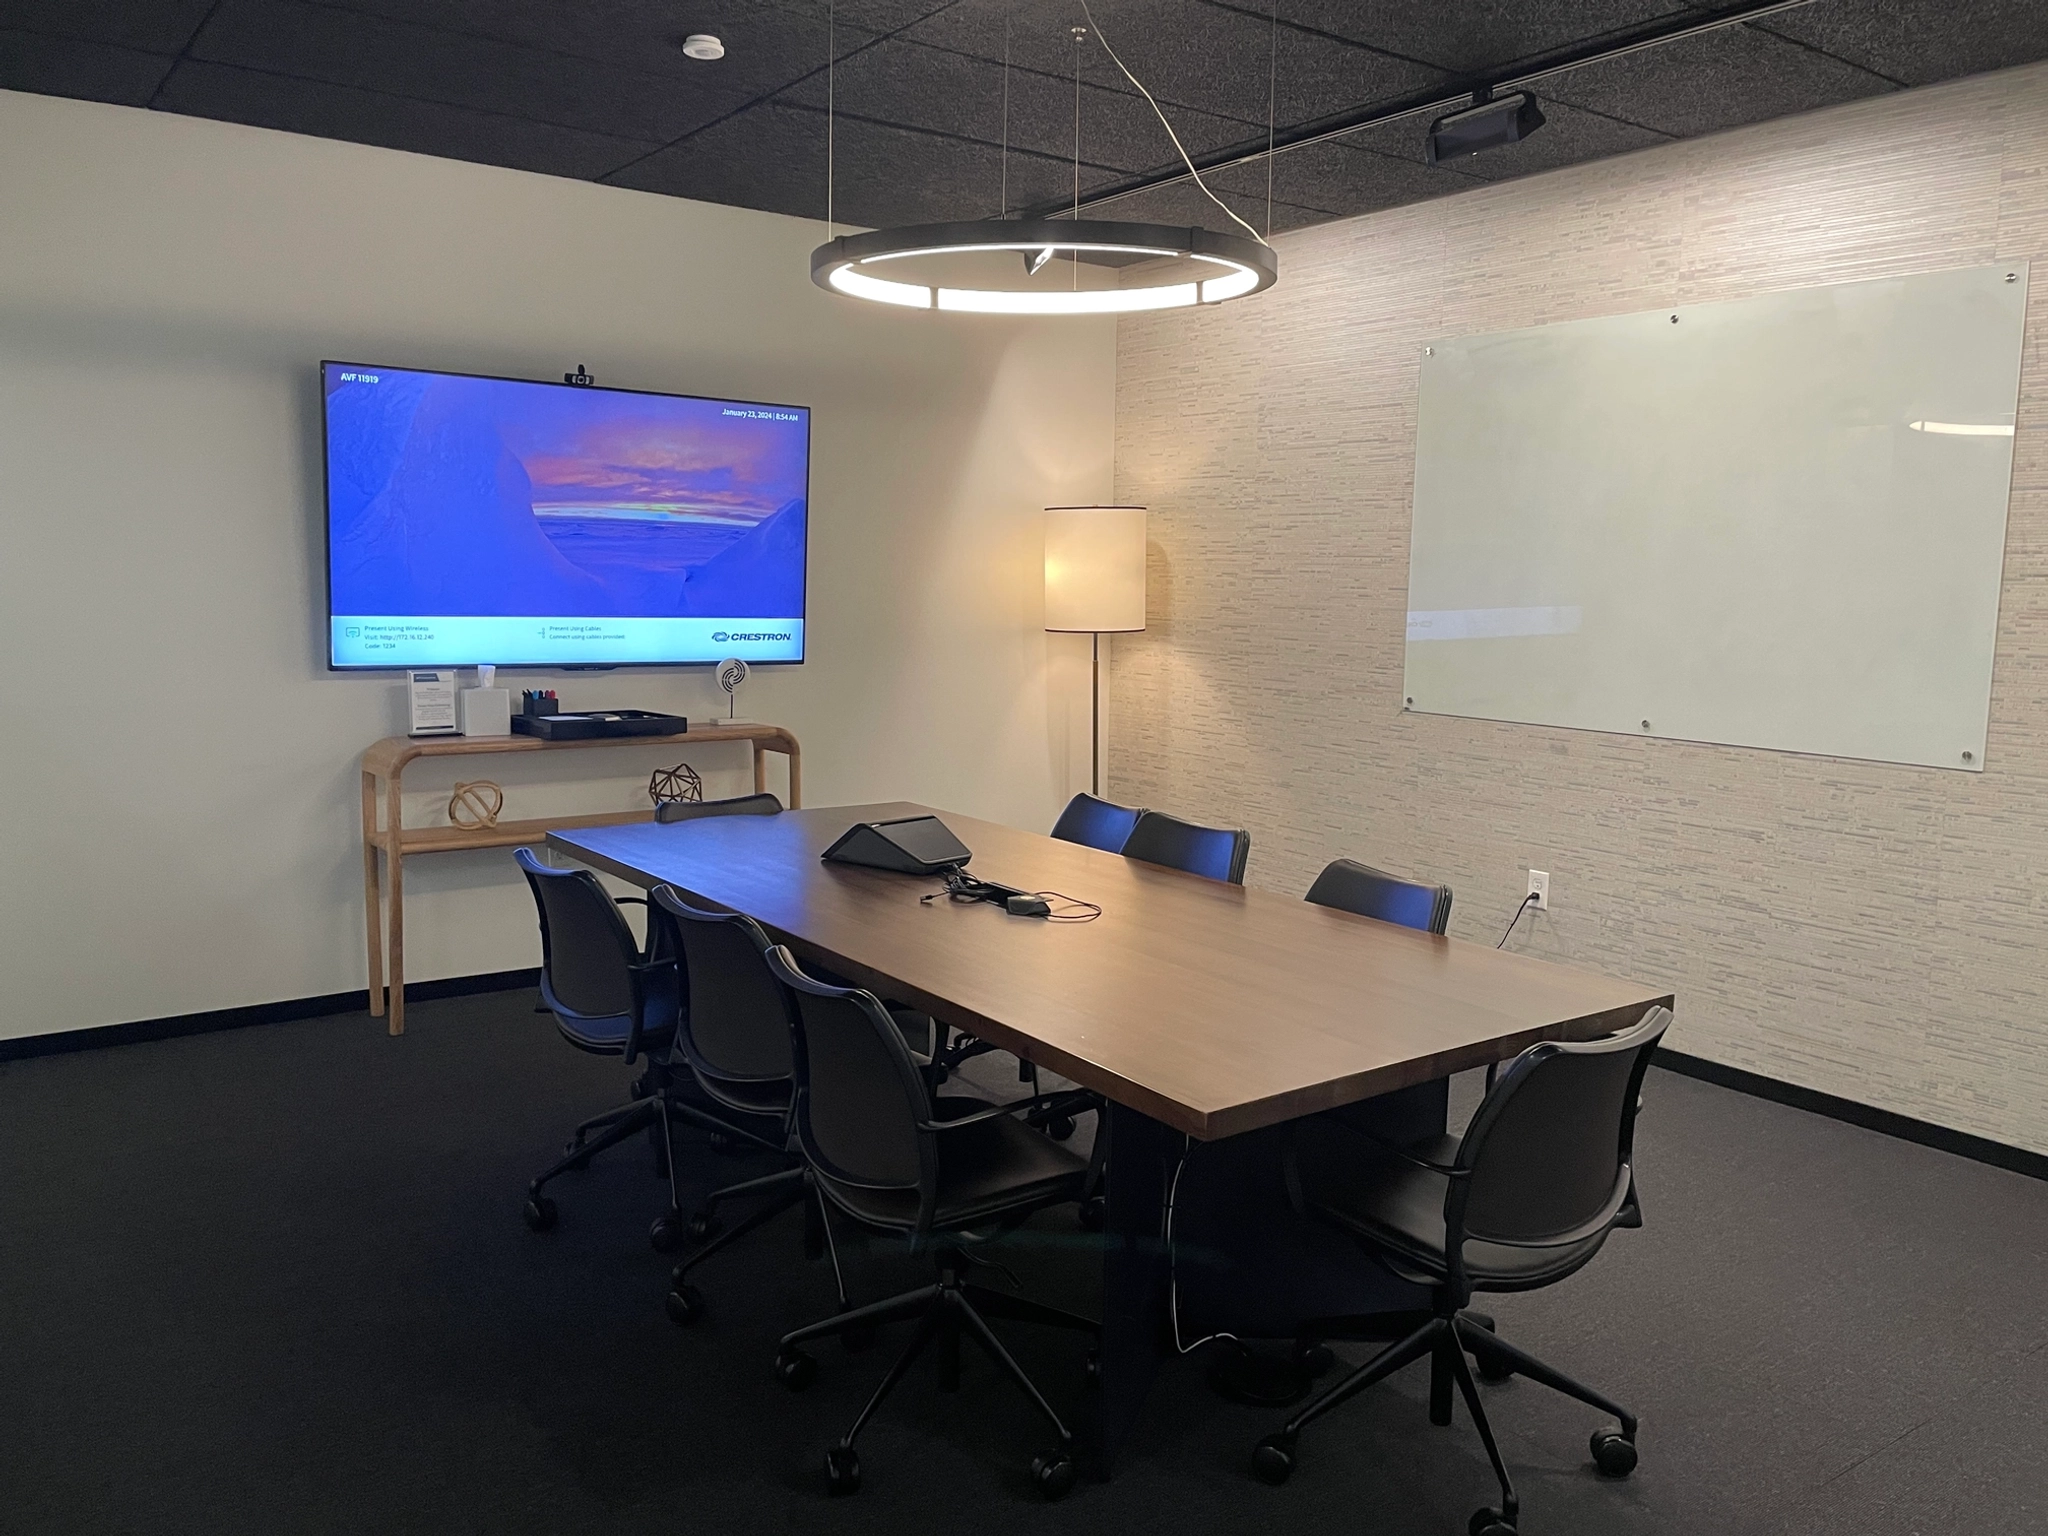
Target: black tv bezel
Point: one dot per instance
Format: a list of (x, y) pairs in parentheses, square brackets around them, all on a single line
[(327, 524)]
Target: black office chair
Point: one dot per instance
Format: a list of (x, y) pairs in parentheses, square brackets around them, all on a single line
[(734, 1035), (1522, 1200), (1096, 823), (1354, 887), (763, 804), (611, 997), (945, 1173), (1216, 853)]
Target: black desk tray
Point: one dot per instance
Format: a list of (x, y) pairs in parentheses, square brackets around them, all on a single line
[(600, 722)]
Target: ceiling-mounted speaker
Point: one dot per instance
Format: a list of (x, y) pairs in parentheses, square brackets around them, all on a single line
[(1488, 125)]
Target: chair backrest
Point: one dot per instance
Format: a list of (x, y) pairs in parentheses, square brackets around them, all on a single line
[(588, 957), (1355, 887), (1217, 853), (763, 804), (1548, 1150), (735, 1020), (1096, 823), (860, 1101)]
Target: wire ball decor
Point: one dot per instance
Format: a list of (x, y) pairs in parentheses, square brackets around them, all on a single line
[(475, 805), (668, 786)]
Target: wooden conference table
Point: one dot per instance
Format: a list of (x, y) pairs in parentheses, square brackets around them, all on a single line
[(1196, 1008)]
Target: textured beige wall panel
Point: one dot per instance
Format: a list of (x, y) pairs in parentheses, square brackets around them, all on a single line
[(1868, 930)]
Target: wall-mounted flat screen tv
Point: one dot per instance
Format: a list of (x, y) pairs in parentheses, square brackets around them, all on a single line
[(524, 524)]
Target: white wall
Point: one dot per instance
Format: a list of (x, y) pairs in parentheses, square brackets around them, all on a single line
[(177, 767)]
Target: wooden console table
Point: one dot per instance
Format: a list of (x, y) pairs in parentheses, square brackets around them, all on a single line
[(384, 766)]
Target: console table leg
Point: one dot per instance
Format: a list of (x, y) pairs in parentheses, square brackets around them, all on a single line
[(760, 769), (373, 917), (394, 864), (794, 756)]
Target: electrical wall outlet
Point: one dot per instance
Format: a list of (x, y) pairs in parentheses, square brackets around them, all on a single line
[(1539, 887)]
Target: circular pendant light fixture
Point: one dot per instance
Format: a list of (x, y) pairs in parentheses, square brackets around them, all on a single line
[(1005, 266), (892, 266)]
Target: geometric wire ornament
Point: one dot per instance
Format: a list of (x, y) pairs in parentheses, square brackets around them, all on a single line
[(475, 805), (669, 786)]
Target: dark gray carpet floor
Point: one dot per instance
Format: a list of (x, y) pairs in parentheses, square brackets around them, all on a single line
[(275, 1281)]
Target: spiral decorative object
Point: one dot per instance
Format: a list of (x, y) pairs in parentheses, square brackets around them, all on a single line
[(475, 805), (666, 786)]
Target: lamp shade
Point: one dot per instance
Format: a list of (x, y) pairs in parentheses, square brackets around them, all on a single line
[(1095, 569)]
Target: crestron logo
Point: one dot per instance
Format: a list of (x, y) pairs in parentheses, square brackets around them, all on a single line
[(719, 637)]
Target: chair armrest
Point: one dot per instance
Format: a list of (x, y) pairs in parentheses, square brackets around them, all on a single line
[(1395, 1150), (978, 1116)]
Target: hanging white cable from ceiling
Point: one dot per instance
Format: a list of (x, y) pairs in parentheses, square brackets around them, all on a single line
[(1184, 157)]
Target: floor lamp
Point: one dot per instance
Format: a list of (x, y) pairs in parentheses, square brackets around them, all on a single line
[(1094, 585)]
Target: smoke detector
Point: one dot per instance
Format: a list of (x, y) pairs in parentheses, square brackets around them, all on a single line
[(702, 45)]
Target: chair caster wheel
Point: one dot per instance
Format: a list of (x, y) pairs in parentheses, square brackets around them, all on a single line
[(666, 1234), (685, 1305), (1273, 1460), (1314, 1359), (1613, 1453), (1060, 1127), (1490, 1522), (539, 1212), (797, 1370), (1093, 1369), (1053, 1474), (1493, 1369), (701, 1225), (842, 1470), (1094, 1214)]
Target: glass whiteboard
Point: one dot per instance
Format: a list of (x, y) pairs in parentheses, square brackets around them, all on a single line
[(1777, 522)]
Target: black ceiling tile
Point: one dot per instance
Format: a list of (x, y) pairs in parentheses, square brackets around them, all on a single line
[(766, 46), (367, 117), (1475, 37), (1717, 80), (156, 26), (1341, 179), (924, 87), (341, 47), (1569, 135), (1184, 206), (772, 156), (1920, 44), (1187, 53), (67, 66), (878, 16)]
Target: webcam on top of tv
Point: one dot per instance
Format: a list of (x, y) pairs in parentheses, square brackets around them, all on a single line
[(580, 376)]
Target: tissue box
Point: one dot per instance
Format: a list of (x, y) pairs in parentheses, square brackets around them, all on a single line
[(485, 711)]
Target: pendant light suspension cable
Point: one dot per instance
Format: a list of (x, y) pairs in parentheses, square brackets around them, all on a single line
[(1005, 212), (1184, 157), (831, 63), (1272, 96)]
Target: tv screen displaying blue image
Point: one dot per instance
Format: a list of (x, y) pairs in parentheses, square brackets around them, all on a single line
[(498, 520)]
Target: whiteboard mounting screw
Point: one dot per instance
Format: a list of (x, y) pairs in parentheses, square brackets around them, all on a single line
[(1646, 725), (1969, 757), (1408, 701), (1431, 351), (1674, 319), (2012, 277)]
